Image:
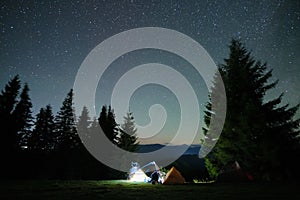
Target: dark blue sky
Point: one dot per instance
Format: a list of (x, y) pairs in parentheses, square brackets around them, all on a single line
[(45, 42)]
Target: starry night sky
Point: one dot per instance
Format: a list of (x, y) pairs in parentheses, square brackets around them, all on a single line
[(45, 42)]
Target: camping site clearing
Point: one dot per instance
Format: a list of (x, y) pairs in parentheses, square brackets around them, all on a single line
[(126, 190)]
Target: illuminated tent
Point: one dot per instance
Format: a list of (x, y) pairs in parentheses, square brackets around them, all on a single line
[(139, 174), (173, 177)]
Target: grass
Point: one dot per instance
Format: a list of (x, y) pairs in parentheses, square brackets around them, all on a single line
[(89, 190)]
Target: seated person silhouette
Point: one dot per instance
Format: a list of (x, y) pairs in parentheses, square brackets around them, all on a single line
[(154, 177)]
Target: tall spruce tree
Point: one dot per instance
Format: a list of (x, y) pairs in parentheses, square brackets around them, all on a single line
[(43, 135), (108, 124), (66, 132), (103, 119), (260, 135), (84, 123), (127, 138), (8, 101), (112, 131), (22, 115)]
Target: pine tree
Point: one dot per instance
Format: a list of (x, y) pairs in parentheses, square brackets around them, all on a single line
[(127, 139), (66, 132), (8, 101), (84, 123), (22, 115), (8, 97), (261, 136), (43, 135), (103, 119), (112, 126), (108, 124)]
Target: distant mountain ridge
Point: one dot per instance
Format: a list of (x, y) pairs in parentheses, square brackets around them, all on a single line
[(191, 150)]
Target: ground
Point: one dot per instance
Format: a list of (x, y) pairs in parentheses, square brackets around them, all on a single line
[(124, 190)]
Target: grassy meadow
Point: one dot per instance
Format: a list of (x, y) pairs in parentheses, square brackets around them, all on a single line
[(118, 189)]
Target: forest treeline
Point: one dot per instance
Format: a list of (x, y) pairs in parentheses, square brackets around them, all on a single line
[(48, 146), (261, 135)]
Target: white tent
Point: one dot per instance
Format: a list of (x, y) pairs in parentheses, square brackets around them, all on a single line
[(138, 174)]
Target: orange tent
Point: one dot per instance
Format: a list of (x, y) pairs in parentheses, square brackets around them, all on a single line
[(173, 177)]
